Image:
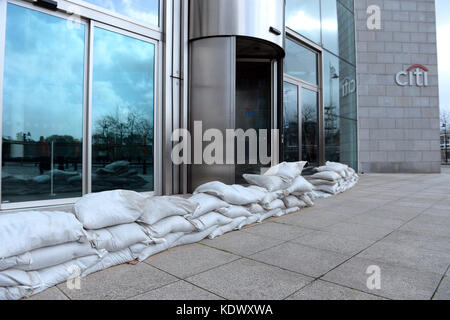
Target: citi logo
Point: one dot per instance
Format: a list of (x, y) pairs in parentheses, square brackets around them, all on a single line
[(416, 75)]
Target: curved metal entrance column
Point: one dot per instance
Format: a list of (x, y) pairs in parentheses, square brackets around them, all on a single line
[(225, 35)]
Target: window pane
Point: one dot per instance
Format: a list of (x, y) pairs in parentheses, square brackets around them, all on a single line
[(340, 140), (348, 4), (143, 10), (339, 83), (122, 113), (290, 123), (330, 37), (43, 84), (304, 18), (346, 27), (310, 126), (300, 62)]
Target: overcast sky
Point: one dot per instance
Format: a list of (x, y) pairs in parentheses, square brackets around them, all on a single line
[(443, 31)]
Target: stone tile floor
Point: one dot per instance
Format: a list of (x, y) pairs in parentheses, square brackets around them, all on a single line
[(399, 223)]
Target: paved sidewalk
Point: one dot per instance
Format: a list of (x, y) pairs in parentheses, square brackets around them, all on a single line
[(400, 223)]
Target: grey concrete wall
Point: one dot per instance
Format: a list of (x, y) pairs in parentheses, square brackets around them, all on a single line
[(398, 126)]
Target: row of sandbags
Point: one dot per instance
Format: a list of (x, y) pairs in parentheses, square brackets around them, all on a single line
[(42, 249)]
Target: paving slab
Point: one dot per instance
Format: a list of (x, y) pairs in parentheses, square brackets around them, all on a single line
[(120, 282), (426, 228), (443, 292), (344, 244), (420, 240), (242, 243), (180, 290), (50, 294), (323, 290), (278, 231), (396, 282), (306, 260), (359, 230), (250, 280), (186, 261), (318, 221)]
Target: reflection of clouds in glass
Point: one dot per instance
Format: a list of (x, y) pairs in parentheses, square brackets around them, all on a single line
[(143, 10), (123, 76), (302, 21), (44, 68)]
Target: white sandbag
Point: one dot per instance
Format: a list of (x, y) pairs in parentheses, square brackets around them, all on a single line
[(26, 231), (118, 237), (290, 211), (276, 204), (235, 212), (272, 196), (269, 214), (206, 204), (170, 225), (110, 260), (250, 220), (142, 252), (109, 208), (318, 182), (17, 278), (305, 198), (193, 237), (299, 185), (287, 170), (234, 194), (210, 220), (58, 274), (270, 183), (327, 175), (321, 195), (294, 202), (255, 208), (14, 293), (51, 256), (227, 228), (158, 208), (334, 189)]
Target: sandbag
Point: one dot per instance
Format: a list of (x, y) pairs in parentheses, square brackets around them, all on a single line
[(158, 208), (269, 214), (294, 202), (193, 237), (26, 231), (15, 293), (276, 204), (287, 170), (255, 208), (142, 252), (170, 225), (270, 183), (210, 220), (110, 260), (235, 212), (327, 175), (250, 220), (109, 208), (227, 228), (206, 204), (118, 237), (234, 194), (318, 182), (305, 198), (272, 196), (50, 256), (290, 211), (299, 185), (334, 189)]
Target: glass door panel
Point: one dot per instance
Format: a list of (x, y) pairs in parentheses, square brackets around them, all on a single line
[(291, 146), (42, 106), (310, 126), (122, 112)]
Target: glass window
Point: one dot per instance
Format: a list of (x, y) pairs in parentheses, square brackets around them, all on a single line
[(330, 37), (291, 151), (341, 140), (310, 126), (300, 62), (346, 27), (339, 87), (122, 112), (43, 84), (348, 3), (304, 18), (143, 10)]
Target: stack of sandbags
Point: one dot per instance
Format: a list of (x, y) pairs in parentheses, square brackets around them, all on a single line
[(332, 179), (41, 249), (286, 189)]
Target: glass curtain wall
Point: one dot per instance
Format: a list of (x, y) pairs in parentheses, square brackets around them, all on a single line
[(330, 25), (45, 105)]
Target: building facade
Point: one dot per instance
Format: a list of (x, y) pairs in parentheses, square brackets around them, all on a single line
[(93, 93)]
